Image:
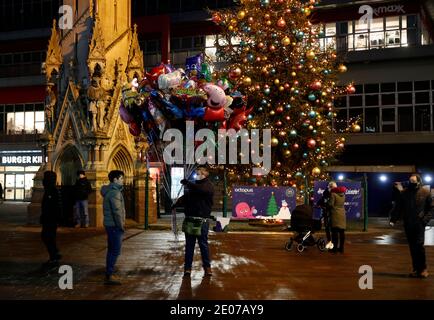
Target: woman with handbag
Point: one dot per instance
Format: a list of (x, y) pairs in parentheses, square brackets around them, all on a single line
[(197, 201)]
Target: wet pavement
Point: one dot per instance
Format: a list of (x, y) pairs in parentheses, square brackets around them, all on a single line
[(246, 265)]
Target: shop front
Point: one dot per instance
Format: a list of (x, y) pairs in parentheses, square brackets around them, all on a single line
[(17, 170)]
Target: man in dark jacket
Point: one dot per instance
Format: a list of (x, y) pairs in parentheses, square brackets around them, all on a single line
[(197, 201), (114, 222), (51, 212), (82, 189), (414, 207)]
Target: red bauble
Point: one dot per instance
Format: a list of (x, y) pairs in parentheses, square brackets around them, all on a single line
[(295, 146), (351, 89), (311, 143), (316, 85)]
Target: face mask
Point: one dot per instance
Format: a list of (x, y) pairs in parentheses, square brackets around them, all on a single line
[(413, 185)]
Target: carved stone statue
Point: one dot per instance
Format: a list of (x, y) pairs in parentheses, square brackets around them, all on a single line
[(97, 97), (50, 103)]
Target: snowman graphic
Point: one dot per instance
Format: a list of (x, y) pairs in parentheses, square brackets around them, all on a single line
[(284, 212)]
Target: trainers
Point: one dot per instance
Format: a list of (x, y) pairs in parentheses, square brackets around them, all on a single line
[(423, 274), (112, 280), (329, 245), (187, 273), (208, 272)]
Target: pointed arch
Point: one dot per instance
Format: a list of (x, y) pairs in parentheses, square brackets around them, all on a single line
[(67, 164), (120, 159)]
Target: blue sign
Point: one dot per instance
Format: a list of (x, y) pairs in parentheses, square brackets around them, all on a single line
[(353, 198), (263, 202)]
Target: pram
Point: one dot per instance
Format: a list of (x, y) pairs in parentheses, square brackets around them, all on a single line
[(304, 227)]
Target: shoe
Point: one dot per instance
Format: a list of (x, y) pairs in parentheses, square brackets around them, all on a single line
[(76, 226), (424, 274), (112, 280), (86, 226), (329, 245), (187, 273), (208, 272)]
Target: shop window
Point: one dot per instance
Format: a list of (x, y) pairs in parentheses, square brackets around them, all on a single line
[(372, 120), (405, 86), (371, 100), (341, 121), (388, 120), (176, 190), (422, 118), (421, 85), (372, 88), (356, 114), (388, 87), (356, 101), (388, 99), (405, 119), (405, 98), (422, 97)]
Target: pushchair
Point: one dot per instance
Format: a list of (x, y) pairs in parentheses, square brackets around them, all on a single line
[(304, 227)]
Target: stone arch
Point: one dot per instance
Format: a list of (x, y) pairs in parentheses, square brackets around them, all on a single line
[(67, 164), (120, 159)]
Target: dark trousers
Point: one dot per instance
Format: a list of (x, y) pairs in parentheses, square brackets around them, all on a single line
[(114, 245), (190, 243), (327, 226), (48, 236), (416, 237), (338, 244)]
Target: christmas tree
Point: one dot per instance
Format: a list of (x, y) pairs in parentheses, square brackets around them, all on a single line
[(275, 58), (272, 209)]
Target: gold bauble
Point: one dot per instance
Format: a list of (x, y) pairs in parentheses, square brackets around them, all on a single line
[(293, 74), (310, 54), (272, 113), (287, 153), (231, 28), (247, 81), (316, 171), (276, 81), (281, 88), (356, 128), (286, 41), (342, 68), (274, 142), (241, 15)]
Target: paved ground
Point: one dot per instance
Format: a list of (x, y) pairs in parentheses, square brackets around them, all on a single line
[(247, 265)]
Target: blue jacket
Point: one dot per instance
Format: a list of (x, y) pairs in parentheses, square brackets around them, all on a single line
[(113, 205)]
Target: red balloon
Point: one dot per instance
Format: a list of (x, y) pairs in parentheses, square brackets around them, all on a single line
[(156, 72), (213, 115), (134, 129)]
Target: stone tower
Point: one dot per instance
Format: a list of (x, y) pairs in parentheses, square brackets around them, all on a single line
[(86, 68)]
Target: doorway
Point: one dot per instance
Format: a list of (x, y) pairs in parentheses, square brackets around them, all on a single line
[(14, 186)]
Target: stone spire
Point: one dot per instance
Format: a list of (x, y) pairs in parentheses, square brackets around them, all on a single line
[(135, 57), (97, 51), (54, 57)]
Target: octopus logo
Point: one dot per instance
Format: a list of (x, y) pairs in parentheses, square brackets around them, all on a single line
[(289, 192)]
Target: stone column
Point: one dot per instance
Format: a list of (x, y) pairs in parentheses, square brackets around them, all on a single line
[(139, 189)]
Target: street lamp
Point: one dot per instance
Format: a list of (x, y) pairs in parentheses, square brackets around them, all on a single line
[(427, 178), (383, 178), (341, 177)]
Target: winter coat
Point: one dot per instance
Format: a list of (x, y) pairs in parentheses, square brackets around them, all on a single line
[(82, 189), (51, 207), (413, 206), (113, 206), (337, 209), (324, 202), (197, 199)]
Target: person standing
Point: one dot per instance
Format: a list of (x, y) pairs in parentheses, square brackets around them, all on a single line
[(415, 208), (114, 222), (324, 204), (51, 212), (1, 193), (82, 189), (197, 201), (337, 216)]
